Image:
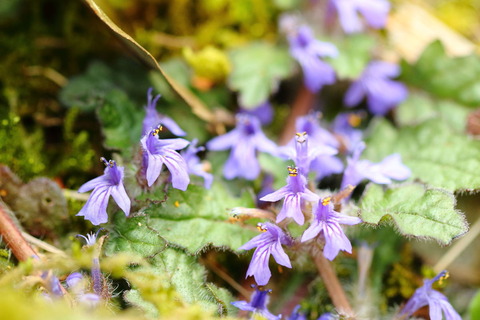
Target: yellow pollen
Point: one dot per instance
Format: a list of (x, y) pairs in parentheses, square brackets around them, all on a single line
[(176, 204), (157, 131), (261, 227), (3, 193), (326, 201), (292, 172), (445, 277), (354, 120)]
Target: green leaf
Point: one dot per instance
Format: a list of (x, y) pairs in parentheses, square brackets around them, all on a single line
[(354, 55), (420, 107), (257, 70), (436, 154), (202, 214), (474, 307), (174, 266), (445, 77), (121, 121), (415, 210)]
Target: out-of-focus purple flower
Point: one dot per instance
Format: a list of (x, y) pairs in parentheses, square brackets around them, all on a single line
[(97, 277), (267, 188), (436, 301), (296, 315), (153, 119), (382, 93), (303, 153), (375, 13), (244, 141), (194, 164), (294, 192), (326, 316), (110, 183), (307, 51), (162, 151), (258, 304), (52, 284), (325, 165), (74, 279), (311, 125), (391, 167), (266, 244), (327, 223), (346, 125), (264, 112), (90, 300)]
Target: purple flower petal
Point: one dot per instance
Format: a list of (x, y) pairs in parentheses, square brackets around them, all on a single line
[(95, 209)]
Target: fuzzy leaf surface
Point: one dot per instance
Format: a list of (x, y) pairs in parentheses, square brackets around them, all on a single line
[(415, 210), (445, 77), (437, 155)]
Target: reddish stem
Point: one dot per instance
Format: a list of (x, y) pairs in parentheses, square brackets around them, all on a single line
[(301, 106), (13, 237), (335, 290)]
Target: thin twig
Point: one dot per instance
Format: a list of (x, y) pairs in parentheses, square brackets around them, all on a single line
[(42, 244), (226, 277), (74, 195), (458, 248), (301, 106), (335, 290)]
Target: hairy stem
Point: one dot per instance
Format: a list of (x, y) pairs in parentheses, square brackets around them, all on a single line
[(335, 290)]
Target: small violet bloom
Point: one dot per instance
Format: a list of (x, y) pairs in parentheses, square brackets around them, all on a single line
[(263, 112), (266, 244), (153, 119), (382, 93), (311, 125), (302, 153), (90, 238), (296, 315), (194, 164), (294, 192), (327, 223), (346, 126), (243, 141), (307, 51), (435, 300), (391, 167), (110, 183), (162, 151), (375, 13), (258, 304)]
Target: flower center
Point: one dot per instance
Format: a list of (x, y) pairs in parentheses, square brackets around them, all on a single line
[(292, 171), (326, 201)]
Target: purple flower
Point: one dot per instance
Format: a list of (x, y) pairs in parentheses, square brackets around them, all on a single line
[(311, 125), (52, 284), (91, 237), (153, 119), (326, 316), (303, 154), (375, 13), (296, 315), (435, 300), (382, 93), (266, 244), (74, 280), (391, 167), (294, 192), (325, 165), (162, 151), (110, 183), (194, 165), (307, 51), (346, 126), (258, 304), (243, 141), (327, 223), (263, 112)]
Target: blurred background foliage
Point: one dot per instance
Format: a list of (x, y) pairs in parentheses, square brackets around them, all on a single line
[(70, 92)]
